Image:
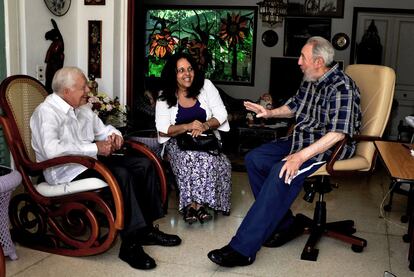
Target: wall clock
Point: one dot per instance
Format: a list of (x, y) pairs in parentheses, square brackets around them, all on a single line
[(58, 7), (340, 41)]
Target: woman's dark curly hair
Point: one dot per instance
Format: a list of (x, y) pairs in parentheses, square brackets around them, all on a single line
[(169, 79)]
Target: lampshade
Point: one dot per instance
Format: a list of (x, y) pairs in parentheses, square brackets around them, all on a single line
[(273, 11)]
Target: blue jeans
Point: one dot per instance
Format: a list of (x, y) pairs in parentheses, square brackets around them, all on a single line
[(273, 196)]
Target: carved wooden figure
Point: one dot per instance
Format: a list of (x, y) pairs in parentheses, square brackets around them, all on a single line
[(54, 55)]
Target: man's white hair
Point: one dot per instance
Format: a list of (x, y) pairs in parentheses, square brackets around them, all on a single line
[(322, 48), (65, 78)]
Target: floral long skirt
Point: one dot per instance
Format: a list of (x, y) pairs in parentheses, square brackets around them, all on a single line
[(201, 177)]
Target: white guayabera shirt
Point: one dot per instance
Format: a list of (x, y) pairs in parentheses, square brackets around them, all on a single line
[(59, 130)]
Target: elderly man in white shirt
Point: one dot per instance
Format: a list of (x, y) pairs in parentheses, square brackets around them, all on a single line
[(63, 125)]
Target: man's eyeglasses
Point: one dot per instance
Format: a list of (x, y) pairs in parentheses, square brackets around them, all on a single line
[(181, 70)]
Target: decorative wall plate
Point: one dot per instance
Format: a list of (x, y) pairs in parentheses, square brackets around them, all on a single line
[(340, 41), (270, 38), (58, 7)]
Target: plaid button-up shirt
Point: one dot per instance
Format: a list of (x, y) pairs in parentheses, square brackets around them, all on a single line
[(330, 104)]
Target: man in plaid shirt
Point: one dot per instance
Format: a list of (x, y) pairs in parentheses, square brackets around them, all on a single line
[(326, 108)]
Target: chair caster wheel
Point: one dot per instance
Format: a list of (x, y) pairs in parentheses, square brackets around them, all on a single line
[(387, 208), (310, 254), (404, 219), (357, 248)]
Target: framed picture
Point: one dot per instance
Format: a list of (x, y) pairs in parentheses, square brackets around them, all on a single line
[(222, 39), (298, 30), (94, 2), (95, 48), (318, 8)]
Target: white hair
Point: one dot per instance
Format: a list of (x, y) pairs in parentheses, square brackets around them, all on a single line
[(65, 78), (322, 48)]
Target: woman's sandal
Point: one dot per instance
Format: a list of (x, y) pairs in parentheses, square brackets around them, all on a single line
[(190, 215), (203, 215)]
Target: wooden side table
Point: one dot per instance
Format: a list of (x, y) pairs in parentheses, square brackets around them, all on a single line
[(400, 166)]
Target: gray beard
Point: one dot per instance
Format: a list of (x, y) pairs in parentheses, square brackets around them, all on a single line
[(309, 78)]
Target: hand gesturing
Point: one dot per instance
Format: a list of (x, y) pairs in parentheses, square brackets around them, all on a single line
[(258, 109)]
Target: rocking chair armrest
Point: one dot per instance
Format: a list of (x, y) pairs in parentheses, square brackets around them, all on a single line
[(144, 149), (86, 161)]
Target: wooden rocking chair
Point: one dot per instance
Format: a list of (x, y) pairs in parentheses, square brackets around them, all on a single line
[(71, 222)]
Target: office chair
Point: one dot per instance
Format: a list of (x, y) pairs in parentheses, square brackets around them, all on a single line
[(376, 84)]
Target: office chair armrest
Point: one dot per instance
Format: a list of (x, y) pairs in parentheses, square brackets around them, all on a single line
[(335, 154), (339, 146), (359, 138)]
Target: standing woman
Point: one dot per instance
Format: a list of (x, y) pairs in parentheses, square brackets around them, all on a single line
[(190, 103)]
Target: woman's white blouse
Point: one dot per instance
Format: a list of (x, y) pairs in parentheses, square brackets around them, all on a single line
[(210, 101)]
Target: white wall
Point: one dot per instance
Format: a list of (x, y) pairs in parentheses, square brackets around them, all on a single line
[(264, 53), (35, 22), (35, 19), (11, 26)]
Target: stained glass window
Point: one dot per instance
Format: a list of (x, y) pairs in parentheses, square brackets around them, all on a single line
[(221, 39)]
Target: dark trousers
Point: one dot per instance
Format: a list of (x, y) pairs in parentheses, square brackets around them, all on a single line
[(138, 182), (273, 197)]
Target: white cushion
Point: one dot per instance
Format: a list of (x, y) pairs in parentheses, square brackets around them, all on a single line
[(73, 187)]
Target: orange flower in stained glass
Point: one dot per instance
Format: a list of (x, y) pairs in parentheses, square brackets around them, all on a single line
[(199, 52), (234, 29), (162, 43)]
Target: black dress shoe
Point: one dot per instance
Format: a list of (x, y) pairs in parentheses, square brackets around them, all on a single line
[(229, 257), (279, 238), (157, 237), (134, 255)]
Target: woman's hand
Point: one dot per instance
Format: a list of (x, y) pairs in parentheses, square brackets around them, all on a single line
[(258, 109), (196, 128)]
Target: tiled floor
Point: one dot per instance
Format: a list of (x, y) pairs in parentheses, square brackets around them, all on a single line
[(357, 198)]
